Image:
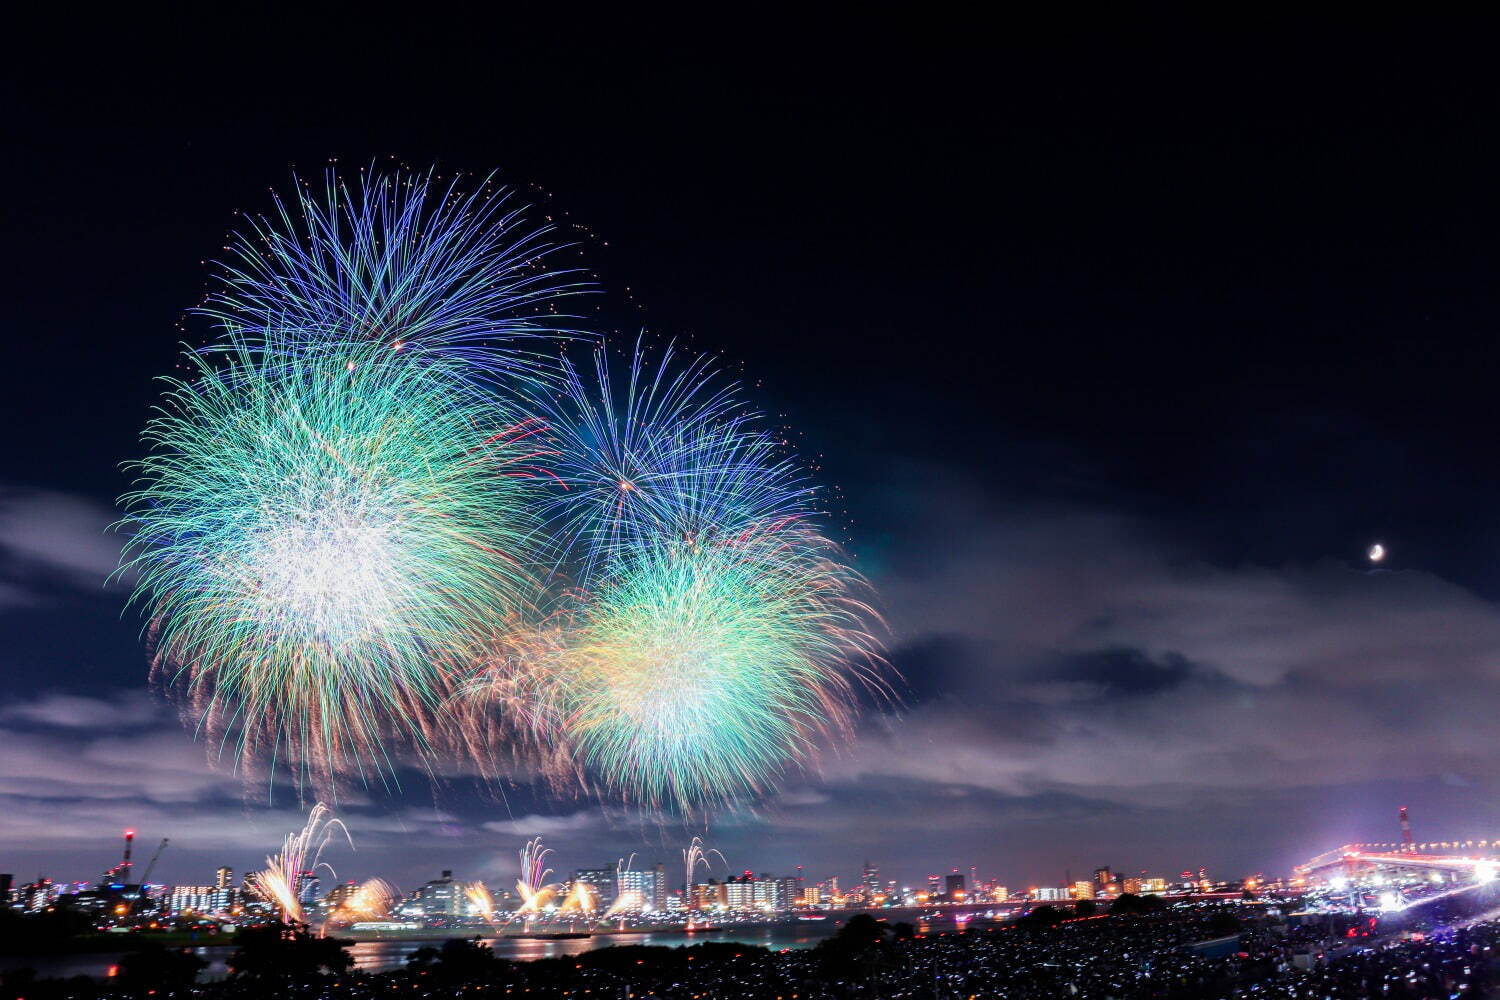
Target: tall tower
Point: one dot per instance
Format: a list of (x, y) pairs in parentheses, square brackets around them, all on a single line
[(125, 862), (1406, 844)]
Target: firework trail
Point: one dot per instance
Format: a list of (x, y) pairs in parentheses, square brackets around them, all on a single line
[(360, 505), (582, 900), (693, 856), (505, 712), (698, 673), (626, 900), (662, 454), (315, 530), (629, 901), (371, 901), (716, 636), (532, 886), (301, 853), (398, 257), (478, 895)]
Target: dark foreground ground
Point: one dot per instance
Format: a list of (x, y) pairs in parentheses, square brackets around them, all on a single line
[(1200, 952)]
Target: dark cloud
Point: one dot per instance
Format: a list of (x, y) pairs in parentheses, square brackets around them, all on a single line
[(51, 541), (1075, 679)]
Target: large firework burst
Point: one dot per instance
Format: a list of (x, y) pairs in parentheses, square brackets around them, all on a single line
[(667, 453), (398, 257), (362, 503), (700, 671), (316, 527)]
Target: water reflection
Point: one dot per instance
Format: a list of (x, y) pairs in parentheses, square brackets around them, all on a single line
[(380, 956)]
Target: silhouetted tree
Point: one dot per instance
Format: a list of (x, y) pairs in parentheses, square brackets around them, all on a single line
[(152, 967), (1041, 916), (278, 951), (458, 960), (1129, 902), (855, 949)]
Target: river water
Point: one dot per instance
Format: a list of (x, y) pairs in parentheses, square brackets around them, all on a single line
[(379, 956)]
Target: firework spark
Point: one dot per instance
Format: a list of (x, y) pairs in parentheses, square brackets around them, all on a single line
[(532, 886), (629, 901), (358, 504), (371, 901), (699, 672), (315, 530), (666, 453), (695, 856), (398, 257), (480, 898), (301, 854), (582, 900)]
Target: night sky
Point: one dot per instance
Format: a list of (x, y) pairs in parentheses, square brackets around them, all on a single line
[(1120, 355)]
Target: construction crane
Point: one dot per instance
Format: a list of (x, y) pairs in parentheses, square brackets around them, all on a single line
[(150, 867)]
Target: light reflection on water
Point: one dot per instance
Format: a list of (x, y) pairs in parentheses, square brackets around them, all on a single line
[(379, 956)]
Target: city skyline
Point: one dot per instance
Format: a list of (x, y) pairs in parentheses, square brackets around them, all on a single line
[(1152, 396)]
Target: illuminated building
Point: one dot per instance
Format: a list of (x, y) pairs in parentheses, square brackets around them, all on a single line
[(640, 885), (710, 895), (871, 880), (339, 895), (1102, 878), (441, 897), (224, 878), (1000, 893), (739, 892), (658, 887), (604, 882), (1083, 889), (199, 899), (953, 886), (307, 888), (1050, 894)]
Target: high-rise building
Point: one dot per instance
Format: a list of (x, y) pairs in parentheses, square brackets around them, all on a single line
[(307, 888), (710, 895), (739, 892), (440, 897), (953, 886), (934, 887), (659, 887), (339, 895), (1083, 889), (604, 881), (7, 881), (199, 899), (1000, 893), (871, 881), (1102, 878), (638, 889), (224, 877), (770, 894)]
